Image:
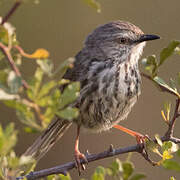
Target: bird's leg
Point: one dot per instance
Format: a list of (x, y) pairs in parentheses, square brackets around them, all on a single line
[(140, 138), (78, 155)]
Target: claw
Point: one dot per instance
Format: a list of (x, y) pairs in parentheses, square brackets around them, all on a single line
[(80, 166)]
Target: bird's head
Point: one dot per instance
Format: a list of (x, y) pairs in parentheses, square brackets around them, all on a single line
[(118, 40)]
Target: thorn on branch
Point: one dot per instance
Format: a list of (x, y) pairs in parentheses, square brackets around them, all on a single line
[(111, 148), (87, 153)]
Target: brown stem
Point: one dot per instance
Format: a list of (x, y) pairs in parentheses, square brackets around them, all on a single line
[(7, 53), (170, 130), (11, 11)]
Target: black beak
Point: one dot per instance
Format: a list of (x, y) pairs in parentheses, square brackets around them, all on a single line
[(147, 37)]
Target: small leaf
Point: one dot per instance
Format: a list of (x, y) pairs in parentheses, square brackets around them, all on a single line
[(40, 54), (30, 130), (128, 169), (138, 177), (4, 37), (158, 140), (14, 82), (116, 167), (170, 146), (178, 152), (46, 88), (171, 165), (150, 64), (172, 178), (99, 173), (69, 113), (94, 4), (152, 146), (166, 145), (161, 82), (46, 65), (35, 84), (62, 177), (8, 139), (70, 94), (168, 51), (62, 68)]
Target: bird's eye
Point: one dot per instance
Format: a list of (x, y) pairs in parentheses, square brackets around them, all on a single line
[(122, 40)]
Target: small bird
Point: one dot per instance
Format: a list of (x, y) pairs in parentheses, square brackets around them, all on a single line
[(107, 69)]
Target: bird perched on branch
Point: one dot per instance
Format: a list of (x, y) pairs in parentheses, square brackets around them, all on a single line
[(107, 69)]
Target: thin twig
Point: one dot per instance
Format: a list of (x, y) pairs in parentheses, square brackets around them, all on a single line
[(6, 52), (11, 11), (170, 130)]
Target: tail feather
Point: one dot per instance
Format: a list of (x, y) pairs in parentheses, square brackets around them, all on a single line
[(46, 141)]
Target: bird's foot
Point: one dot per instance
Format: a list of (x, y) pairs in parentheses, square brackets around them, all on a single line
[(140, 138), (80, 165)]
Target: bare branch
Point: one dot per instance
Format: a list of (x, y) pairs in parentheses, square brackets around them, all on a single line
[(63, 169), (7, 53), (11, 11)]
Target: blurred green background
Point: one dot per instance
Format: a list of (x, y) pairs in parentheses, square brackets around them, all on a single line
[(61, 27)]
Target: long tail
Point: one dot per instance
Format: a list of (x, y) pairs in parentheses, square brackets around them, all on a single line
[(45, 142)]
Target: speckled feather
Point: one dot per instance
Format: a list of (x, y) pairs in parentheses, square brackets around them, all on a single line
[(107, 69)]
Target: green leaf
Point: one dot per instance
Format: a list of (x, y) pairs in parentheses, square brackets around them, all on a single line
[(116, 167), (171, 165), (4, 37), (32, 92), (94, 4), (70, 94), (46, 88), (8, 139), (3, 76), (170, 146), (99, 173), (168, 51), (166, 145), (62, 177), (161, 82), (128, 169), (138, 177), (27, 117), (46, 65), (69, 113), (14, 82), (62, 68), (44, 101), (152, 146), (150, 64), (158, 140), (178, 152), (172, 178)]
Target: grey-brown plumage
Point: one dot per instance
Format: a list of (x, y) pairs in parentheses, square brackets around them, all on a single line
[(107, 68)]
